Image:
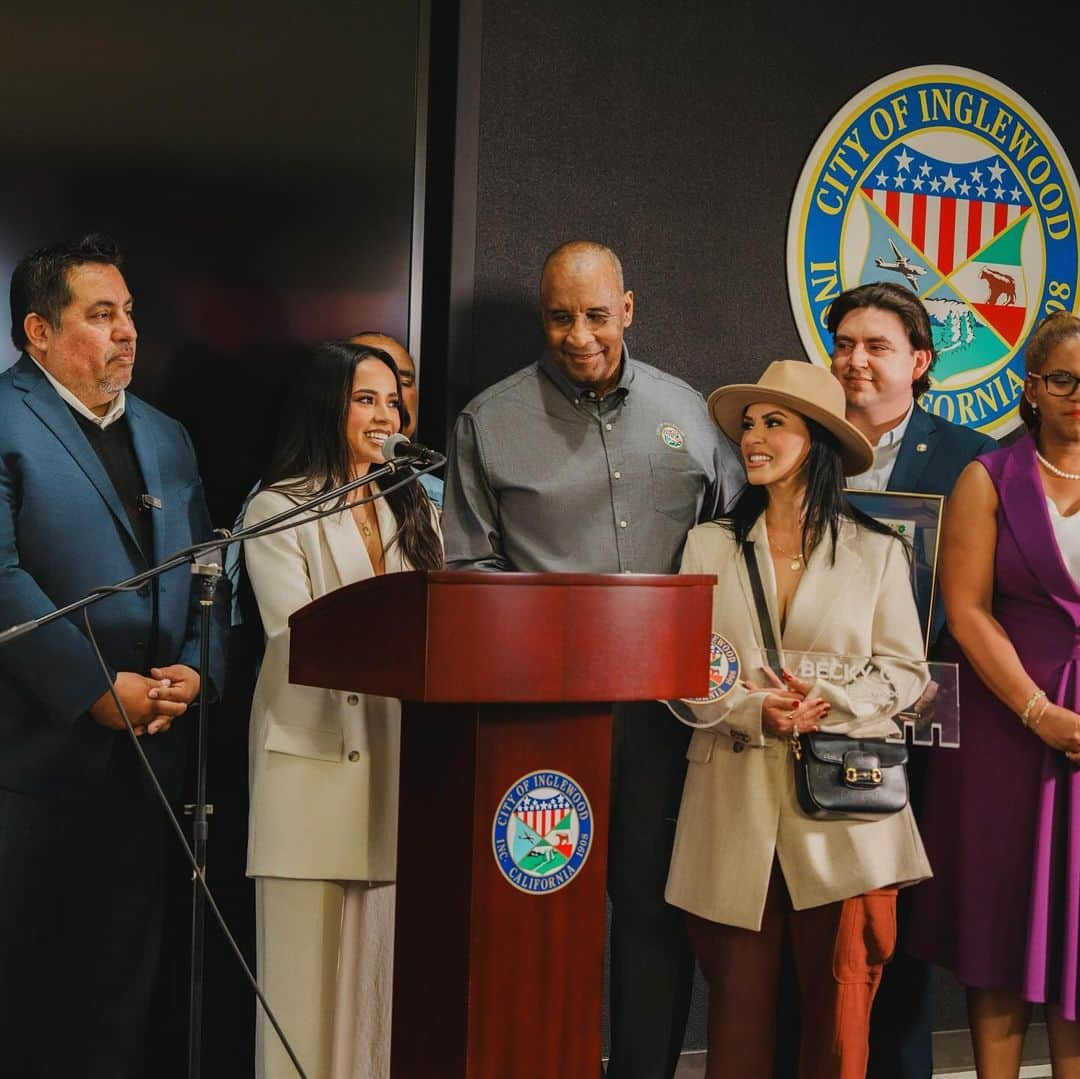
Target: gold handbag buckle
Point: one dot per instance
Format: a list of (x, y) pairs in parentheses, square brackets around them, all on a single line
[(862, 775)]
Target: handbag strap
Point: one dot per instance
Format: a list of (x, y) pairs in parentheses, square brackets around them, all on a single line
[(764, 620)]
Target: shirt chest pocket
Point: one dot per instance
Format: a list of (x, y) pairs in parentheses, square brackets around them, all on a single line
[(677, 483)]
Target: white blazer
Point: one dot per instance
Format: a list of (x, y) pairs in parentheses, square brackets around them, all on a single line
[(739, 810), (324, 764)]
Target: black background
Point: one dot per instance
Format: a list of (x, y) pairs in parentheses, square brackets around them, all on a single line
[(675, 133)]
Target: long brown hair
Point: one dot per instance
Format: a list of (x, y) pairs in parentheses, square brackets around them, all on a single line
[(313, 457)]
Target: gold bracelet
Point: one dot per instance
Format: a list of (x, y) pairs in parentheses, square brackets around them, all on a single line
[(1036, 720), (1033, 700)]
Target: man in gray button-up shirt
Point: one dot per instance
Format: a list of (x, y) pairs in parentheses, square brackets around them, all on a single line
[(592, 462)]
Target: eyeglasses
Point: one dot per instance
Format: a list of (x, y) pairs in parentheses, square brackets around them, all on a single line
[(1059, 383)]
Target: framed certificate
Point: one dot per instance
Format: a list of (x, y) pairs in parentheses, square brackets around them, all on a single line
[(918, 519)]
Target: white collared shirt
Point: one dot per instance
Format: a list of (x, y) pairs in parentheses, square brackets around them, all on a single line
[(886, 452), (116, 407)]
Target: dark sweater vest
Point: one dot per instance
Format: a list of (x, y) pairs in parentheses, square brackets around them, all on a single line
[(116, 452)]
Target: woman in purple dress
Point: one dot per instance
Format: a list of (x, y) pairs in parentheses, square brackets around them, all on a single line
[(1002, 815)]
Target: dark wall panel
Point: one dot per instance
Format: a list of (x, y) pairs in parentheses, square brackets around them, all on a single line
[(676, 134), (258, 175)]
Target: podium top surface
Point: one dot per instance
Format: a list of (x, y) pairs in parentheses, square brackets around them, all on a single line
[(484, 637), (566, 580)]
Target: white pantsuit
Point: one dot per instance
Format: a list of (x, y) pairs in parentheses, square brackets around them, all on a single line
[(322, 836)]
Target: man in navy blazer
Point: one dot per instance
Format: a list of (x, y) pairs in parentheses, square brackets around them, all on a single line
[(883, 352), (95, 486)]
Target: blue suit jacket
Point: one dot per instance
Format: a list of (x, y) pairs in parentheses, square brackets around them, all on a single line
[(933, 453), (63, 531)]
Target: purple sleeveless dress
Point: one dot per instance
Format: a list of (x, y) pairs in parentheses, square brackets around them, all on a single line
[(1001, 817)]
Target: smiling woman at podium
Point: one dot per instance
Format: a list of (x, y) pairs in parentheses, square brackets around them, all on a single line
[(322, 839), (798, 565)]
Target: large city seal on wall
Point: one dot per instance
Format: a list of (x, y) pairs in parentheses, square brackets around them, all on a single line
[(542, 832), (945, 181)]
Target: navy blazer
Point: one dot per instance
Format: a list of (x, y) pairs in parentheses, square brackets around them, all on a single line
[(933, 453), (63, 531)]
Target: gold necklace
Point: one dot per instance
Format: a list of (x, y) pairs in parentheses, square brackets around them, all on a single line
[(370, 531), (372, 539), (797, 560)]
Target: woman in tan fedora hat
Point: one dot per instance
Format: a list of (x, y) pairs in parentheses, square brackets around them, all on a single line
[(749, 867)]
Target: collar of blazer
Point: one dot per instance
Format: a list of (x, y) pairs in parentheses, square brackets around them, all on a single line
[(1023, 503), (47, 405), (347, 547), (911, 462), (822, 584)]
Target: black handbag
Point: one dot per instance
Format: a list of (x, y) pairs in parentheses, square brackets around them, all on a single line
[(836, 777)]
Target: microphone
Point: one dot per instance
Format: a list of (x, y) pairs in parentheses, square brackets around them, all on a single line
[(397, 448)]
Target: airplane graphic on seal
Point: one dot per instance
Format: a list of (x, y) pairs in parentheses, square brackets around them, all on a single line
[(909, 270)]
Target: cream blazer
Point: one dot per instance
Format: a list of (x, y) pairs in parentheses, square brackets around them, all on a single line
[(323, 763), (739, 809)]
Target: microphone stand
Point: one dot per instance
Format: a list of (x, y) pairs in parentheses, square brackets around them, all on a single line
[(209, 572), (13, 633)]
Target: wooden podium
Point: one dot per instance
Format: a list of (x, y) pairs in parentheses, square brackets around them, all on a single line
[(507, 681)]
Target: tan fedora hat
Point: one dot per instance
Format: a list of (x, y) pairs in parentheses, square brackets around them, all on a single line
[(804, 388)]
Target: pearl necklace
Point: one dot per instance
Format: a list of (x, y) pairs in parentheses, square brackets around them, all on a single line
[(1056, 471)]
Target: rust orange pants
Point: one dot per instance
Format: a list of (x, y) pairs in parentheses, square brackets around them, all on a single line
[(839, 951)]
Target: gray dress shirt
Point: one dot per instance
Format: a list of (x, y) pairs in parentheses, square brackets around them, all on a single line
[(545, 477)]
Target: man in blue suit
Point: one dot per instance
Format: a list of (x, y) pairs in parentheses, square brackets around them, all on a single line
[(883, 352), (95, 486)]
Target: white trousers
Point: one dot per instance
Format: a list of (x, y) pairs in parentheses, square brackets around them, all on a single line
[(326, 967)]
